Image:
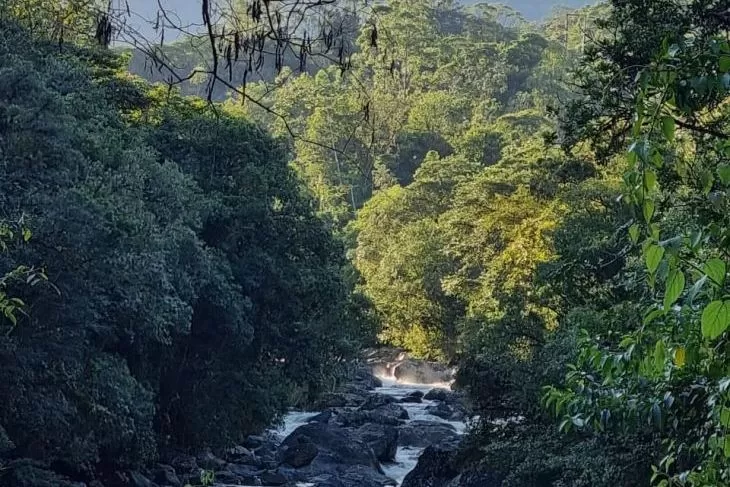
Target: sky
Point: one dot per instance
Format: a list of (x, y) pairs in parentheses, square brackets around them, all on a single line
[(144, 12)]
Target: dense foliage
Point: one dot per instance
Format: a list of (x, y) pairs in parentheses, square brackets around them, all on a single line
[(193, 294)]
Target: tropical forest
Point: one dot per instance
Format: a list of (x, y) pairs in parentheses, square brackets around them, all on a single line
[(364, 243)]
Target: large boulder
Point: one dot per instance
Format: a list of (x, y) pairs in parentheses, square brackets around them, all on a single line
[(422, 372), (415, 397), (436, 466), (421, 434), (166, 475), (389, 416), (335, 446), (376, 400), (298, 453), (341, 455), (339, 400), (383, 439)]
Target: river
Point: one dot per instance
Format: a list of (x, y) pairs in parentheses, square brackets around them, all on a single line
[(406, 457)]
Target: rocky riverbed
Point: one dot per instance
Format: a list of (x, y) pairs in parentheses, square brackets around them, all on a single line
[(370, 433)]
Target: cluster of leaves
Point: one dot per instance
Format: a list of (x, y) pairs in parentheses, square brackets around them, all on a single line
[(666, 372), (196, 291)]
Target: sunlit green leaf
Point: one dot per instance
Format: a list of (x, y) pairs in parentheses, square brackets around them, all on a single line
[(674, 287), (668, 127), (715, 319), (716, 270), (653, 256)]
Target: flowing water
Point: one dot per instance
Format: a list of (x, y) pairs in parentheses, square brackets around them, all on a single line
[(406, 457)]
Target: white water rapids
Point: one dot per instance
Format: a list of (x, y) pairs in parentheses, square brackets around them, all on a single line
[(406, 457)]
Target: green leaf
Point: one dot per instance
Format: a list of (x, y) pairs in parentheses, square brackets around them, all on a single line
[(653, 255), (26, 234), (715, 319), (674, 287), (668, 128), (724, 64), (723, 172), (716, 271), (648, 209), (725, 417), (660, 355), (649, 180), (648, 319), (726, 447), (634, 233)]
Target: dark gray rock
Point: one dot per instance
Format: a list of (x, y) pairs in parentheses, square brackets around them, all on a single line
[(340, 400), (298, 453), (240, 454), (414, 397), (136, 479), (383, 439), (335, 446), (437, 394), (166, 475), (422, 372), (392, 410), (6, 445), (247, 474), (435, 468), (359, 418), (208, 461), (441, 410), (31, 473), (476, 478), (184, 463), (421, 434), (273, 478), (377, 400)]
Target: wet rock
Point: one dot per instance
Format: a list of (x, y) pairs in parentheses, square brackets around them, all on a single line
[(246, 474), (339, 400), (239, 454), (414, 397), (437, 394), (208, 461), (226, 477), (421, 434), (184, 463), (377, 400), (6, 445), (166, 475), (299, 453), (441, 410), (383, 439), (136, 479), (422, 372), (335, 446), (359, 418), (476, 478), (273, 478), (391, 410), (435, 468)]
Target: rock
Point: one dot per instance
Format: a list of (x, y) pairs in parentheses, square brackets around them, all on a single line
[(254, 441), (476, 479), (383, 439), (441, 410), (226, 477), (414, 397), (339, 400), (166, 475), (421, 434), (377, 400), (391, 410), (208, 461), (359, 418), (246, 474), (240, 454), (184, 463), (436, 394), (326, 416), (422, 372), (435, 468), (136, 479), (298, 453), (364, 377), (273, 478), (6, 444), (335, 446)]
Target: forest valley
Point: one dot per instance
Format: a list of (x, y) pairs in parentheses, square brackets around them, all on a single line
[(543, 205)]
